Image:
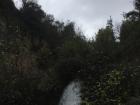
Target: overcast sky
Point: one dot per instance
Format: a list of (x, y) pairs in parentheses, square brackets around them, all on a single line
[(89, 15)]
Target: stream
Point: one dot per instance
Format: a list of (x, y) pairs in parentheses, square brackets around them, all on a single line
[(71, 94)]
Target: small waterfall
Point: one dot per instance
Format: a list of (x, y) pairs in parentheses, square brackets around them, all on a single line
[(71, 95)]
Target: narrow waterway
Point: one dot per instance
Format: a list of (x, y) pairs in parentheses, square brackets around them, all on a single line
[(71, 94)]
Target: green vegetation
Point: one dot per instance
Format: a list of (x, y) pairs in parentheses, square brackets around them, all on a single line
[(39, 56)]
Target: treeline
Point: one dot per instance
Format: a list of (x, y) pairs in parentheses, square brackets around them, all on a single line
[(34, 55), (39, 56), (113, 76)]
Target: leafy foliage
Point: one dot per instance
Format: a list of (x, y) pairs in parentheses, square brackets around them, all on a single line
[(39, 56)]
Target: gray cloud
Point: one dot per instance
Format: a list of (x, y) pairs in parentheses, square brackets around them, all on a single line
[(89, 15)]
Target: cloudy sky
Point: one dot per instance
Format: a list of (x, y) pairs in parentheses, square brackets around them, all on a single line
[(89, 15)]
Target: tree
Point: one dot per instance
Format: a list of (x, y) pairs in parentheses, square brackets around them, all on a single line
[(137, 5), (129, 32), (134, 15), (105, 38), (32, 15)]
